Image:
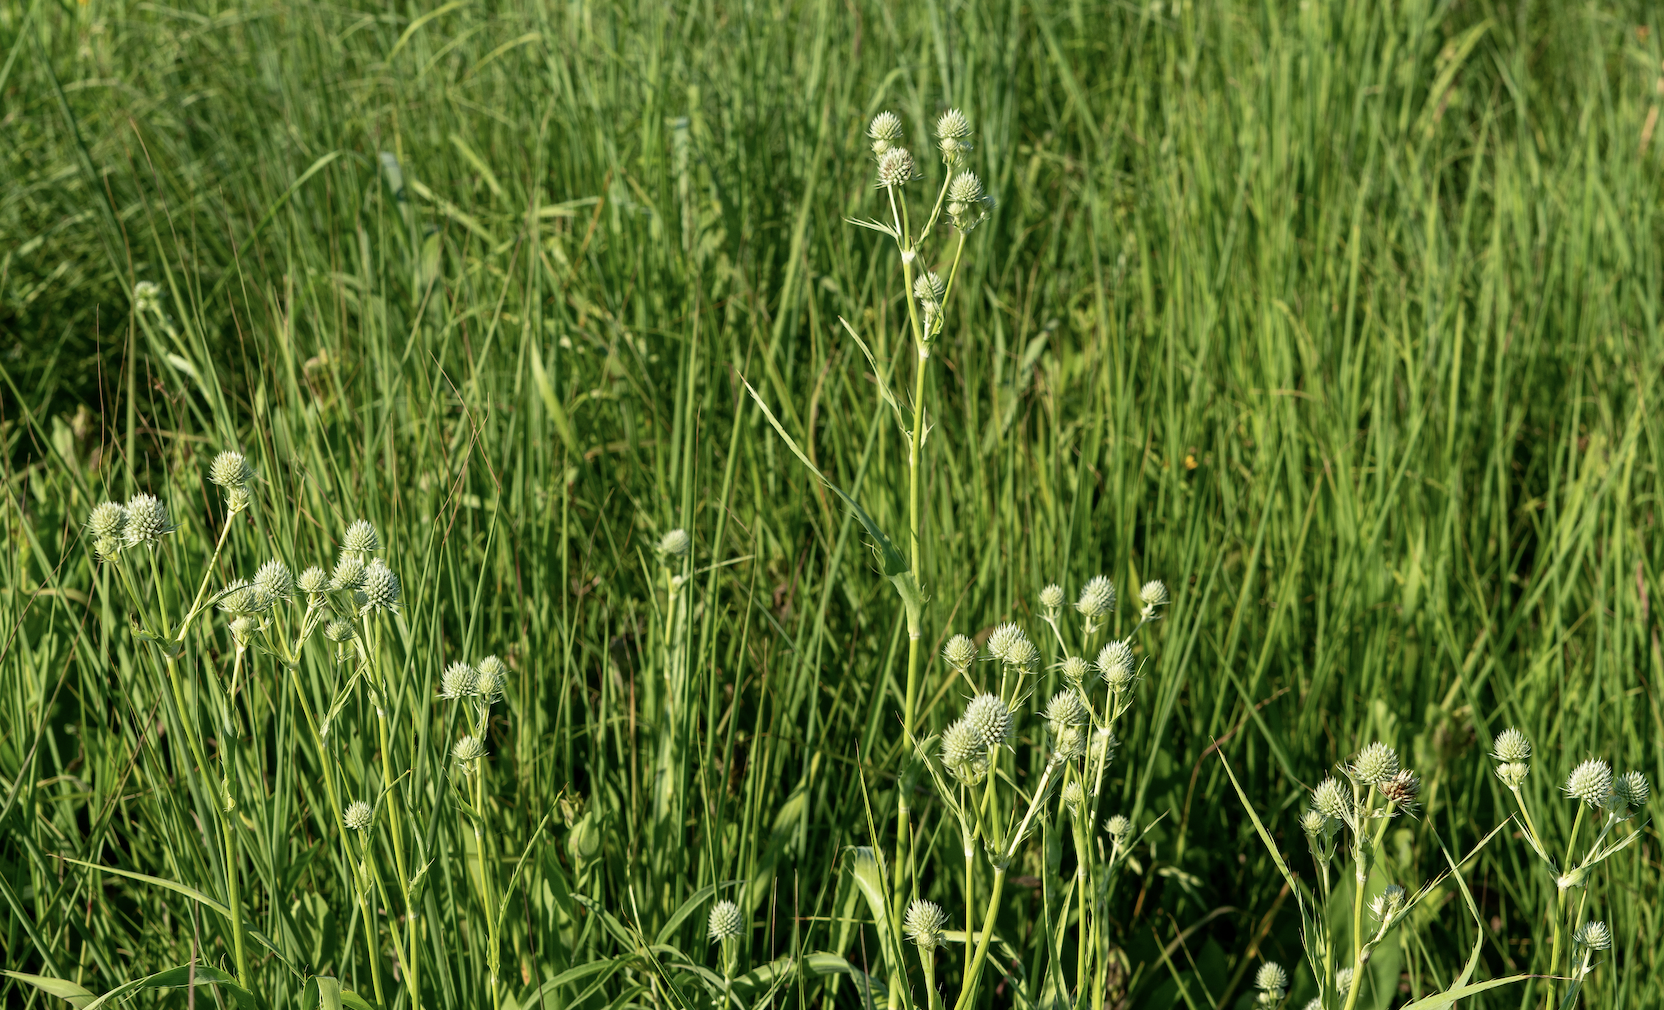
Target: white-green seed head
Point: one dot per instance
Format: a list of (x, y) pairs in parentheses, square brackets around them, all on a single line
[(492, 682), (379, 592), (1313, 822), (1152, 594), (963, 753), (959, 653), (358, 815), (457, 681), (1590, 782), (1075, 671), (361, 537), (895, 168), (967, 206), (1374, 764), (470, 748), (312, 581), (884, 131), (275, 579), (952, 125), (1403, 791), (238, 499), (675, 544), (230, 469), (1074, 798), (1115, 666), (988, 715), (1513, 774), (1064, 710), (339, 630), (1594, 935), (1011, 646), (923, 923), (243, 628), (965, 188), (726, 922), (1097, 599), (1118, 828), (147, 520), (234, 598), (1051, 600), (107, 519), (928, 287), (1511, 746), (349, 573), (1631, 791), (1270, 977), (1332, 799), (1388, 903)]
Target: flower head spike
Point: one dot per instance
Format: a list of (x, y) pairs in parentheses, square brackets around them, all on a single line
[(313, 581), (989, 717), (952, 125), (929, 288), (1064, 709), (243, 628), (147, 520), (147, 297), (1115, 665), (1075, 670), (1403, 791), (1374, 764), (963, 753), (275, 579), (361, 537), (1593, 934), (1097, 600), (107, 548), (1511, 746), (1271, 978), (726, 922), (1051, 600), (340, 630), (1313, 822), (1513, 774), (468, 749), (1118, 828), (1332, 800), (493, 680), (959, 653), (357, 815), (230, 469), (1152, 594), (895, 168), (1011, 646), (1590, 782), (675, 544), (1388, 903), (923, 924), (107, 519), (1631, 791), (884, 131), (1074, 798), (380, 590), (966, 201), (349, 573), (457, 681)]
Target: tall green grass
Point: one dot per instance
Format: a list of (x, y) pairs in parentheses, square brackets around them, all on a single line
[(1341, 319)]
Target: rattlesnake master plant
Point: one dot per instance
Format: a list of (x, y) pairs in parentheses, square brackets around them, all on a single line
[(270, 617)]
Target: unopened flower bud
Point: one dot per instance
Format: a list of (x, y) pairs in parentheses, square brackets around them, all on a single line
[(1513, 774), (1074, 797), (1388, 903)]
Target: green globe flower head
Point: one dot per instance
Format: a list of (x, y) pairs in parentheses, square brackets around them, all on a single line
[(675, 544), (379, 591), (1075, 671), (1590, 782), (230, 470), (1118, 828), (726, 922), (923, 924), (469, 749), (963, 753), (457, 681), (959, 652), (895, 168), (1313, 822), (1097, 599), (1594, 935), (1074, 798), (988, 715), (358, 815), (1051, 600), (340, 630), (1374, 764), (884, 131), (313, 581), (1271, 977), (492, 683), (1115, 666), (1631, 792), (1388, 903), (1152, 594), (1511, 746), (1332, 800), (275, 580), (147, 520), (361, 537), (1513, 774), (107, 519)]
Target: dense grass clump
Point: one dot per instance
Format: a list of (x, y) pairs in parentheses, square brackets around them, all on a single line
[(1339, 321)]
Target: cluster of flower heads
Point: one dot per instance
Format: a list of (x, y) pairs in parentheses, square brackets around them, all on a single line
[(968, 744), (355, 589), (143, 521), (966, 202), (1271, 979), (484, 684), (1592, 782)]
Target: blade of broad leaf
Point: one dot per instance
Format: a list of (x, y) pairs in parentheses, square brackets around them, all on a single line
[(1440, 1000), (77, 996), (174, 886), (881, 376), (329, 993), (179, 977), (866, 868)]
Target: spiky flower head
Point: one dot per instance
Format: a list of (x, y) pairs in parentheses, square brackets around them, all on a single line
[(1271, 978), (1631, 790), (361, 537), (928, 287), (675, 544), (147, 297), (1011, 646), (380, 589), (275, 578), (357, 816), (960, 652), (1511, 746), (1513, 774), (988, 715), (238, 499), (107, 519), (966, 203), (1343, 980), (312, 581), (468, 749), (243, 628), (1315, 1003), (238, 597), (726, 922), (1097, 599), (1388, 903), (1152, 594), (1118, 828), (1102, 748), (457, 681), (952, 125), (1590, 782), (1403, 791), (1374, 764), (147, 520), (1051, 599), (884, 131), (230, 469), (1075, 670), (923, 923), (1064, 710), (895, 168), (963, 753), (1115, 666), (339, 630), (107, 548), (349, 573), (1314, 822), (1332, 800), (1593, 934), (493, 680), (1074, 797)]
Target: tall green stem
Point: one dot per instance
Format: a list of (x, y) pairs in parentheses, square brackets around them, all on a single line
[(1560, 907)]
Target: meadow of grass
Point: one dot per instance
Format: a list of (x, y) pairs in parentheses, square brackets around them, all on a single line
[(1342, 319)]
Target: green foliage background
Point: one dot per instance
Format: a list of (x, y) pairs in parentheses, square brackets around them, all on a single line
[(1341, 318)]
